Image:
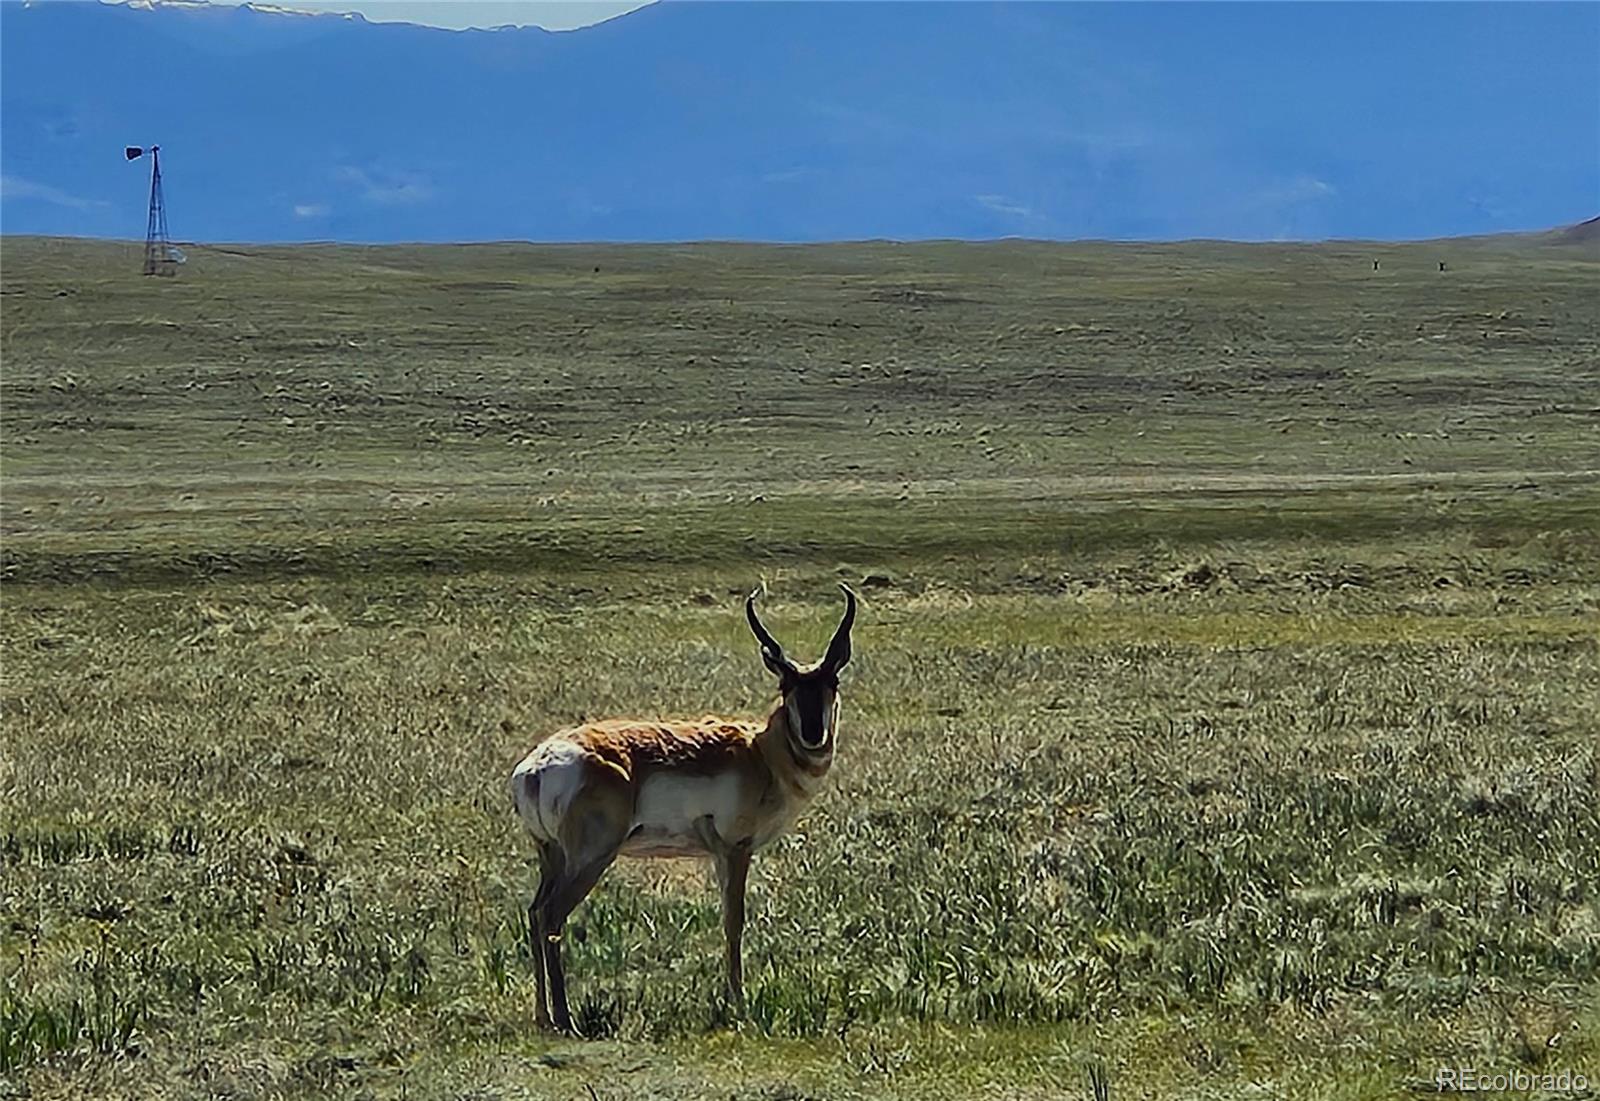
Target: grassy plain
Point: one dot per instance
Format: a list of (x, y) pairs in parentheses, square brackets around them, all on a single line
[(1224, 719)]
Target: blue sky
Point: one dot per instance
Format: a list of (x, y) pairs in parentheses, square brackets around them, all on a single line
[(554, 15), (818, 121)]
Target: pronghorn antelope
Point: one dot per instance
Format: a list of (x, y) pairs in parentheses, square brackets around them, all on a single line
[(639, 787)]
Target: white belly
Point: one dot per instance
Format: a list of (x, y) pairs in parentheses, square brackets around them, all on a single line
[(672, 811)]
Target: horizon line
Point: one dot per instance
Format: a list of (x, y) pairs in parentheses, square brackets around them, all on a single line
[(779, 242)]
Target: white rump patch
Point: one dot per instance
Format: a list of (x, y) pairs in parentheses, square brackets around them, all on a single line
[(544, 784)]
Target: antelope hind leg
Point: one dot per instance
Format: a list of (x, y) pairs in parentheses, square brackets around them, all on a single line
[(589, 844), (563, 900), (550, 866)]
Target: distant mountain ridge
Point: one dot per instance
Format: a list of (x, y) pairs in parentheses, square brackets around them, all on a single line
[(1584, 233), (777, 121)]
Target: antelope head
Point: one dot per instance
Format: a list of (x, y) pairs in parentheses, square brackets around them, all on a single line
[(810, 694)]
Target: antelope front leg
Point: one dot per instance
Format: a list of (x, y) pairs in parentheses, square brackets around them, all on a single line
[(733, 869)]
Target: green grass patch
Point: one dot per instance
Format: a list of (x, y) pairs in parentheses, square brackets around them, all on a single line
[(1223, 716)]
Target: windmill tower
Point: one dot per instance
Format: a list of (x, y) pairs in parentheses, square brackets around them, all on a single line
[(160, 258)]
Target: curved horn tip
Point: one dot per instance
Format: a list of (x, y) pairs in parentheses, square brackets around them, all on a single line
[(761, 632), (849, 600), (839, 647)]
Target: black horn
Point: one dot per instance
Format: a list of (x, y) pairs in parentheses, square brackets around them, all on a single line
[(771, 651), (839, 648)]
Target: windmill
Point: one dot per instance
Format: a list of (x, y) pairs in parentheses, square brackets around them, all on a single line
[(160, 257)]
